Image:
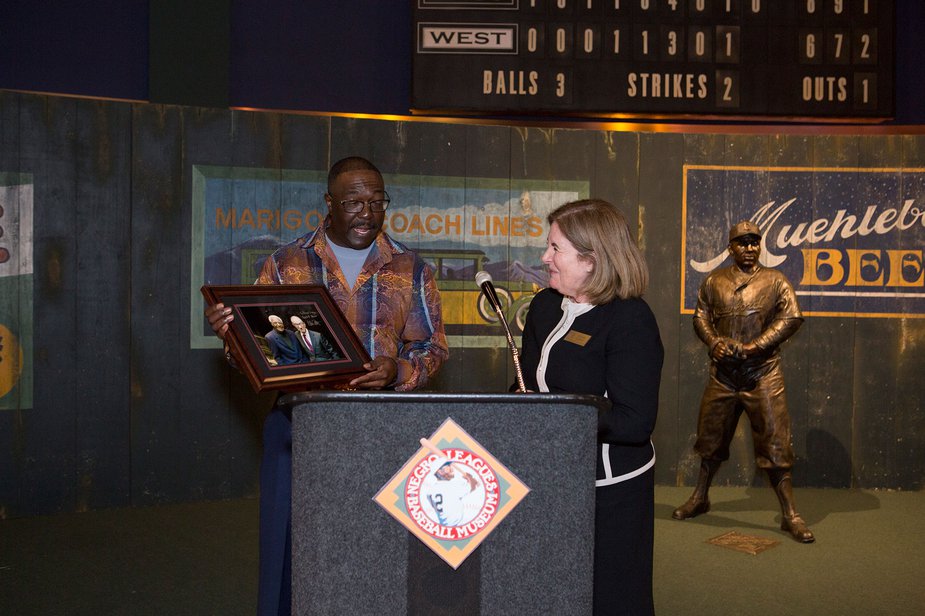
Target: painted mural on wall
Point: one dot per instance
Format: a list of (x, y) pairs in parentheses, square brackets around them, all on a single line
[(459, 225), (16, 194), (850, 240)]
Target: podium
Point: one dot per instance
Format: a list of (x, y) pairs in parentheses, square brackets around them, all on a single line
[(349, 556)]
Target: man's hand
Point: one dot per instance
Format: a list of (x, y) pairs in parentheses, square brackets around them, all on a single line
[(748, 349), (381, 372), (725, 348), (472, 481), (219, 317)]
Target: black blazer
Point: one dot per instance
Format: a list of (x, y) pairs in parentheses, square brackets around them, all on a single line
[(614, 349)]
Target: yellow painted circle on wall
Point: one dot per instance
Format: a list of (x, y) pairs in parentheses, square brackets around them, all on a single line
[(10, 360)]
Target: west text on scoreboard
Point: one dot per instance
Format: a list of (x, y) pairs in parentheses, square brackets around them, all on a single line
[(767, 58)]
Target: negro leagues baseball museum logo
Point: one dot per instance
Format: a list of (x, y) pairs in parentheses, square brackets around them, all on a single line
[(850, 240), (451, 493)]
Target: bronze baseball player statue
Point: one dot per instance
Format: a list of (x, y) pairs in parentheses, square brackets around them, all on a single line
[(744, 313)]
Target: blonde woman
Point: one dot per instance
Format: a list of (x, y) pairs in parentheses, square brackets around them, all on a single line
[(592, 333)]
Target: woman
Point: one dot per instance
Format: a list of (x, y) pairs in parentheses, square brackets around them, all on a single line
[(592, 333)]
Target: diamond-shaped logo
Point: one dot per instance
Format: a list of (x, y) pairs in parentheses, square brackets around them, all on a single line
[(451, 493)]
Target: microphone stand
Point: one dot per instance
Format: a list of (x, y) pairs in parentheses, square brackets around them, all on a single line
[(522, 387)]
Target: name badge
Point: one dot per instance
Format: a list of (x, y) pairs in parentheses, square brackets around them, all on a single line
[(577, 338)]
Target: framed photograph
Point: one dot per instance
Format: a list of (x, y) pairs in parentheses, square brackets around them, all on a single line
[(290, 337)]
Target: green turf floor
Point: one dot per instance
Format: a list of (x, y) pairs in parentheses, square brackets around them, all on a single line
[(201, 559)]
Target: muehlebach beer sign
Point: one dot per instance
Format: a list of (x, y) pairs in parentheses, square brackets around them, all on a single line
[(850, 240), (753, 58)]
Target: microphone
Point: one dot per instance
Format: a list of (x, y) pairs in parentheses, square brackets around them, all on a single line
[(483, 279)]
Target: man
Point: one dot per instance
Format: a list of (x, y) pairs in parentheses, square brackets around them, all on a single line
[(316, 345), (447, 491), (284, 345), (389, 296), (744, 313)]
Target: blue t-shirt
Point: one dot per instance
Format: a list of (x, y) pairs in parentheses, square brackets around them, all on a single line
[(350, 260)]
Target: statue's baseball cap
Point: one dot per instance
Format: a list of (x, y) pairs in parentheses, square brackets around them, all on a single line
[(746, 227)]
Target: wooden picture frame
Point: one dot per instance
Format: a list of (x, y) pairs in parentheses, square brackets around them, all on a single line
[(272, 356)]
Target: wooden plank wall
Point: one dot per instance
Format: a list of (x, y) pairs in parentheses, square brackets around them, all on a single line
[(126, 413)]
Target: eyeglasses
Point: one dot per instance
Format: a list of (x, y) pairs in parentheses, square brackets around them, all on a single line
[(355, 206)]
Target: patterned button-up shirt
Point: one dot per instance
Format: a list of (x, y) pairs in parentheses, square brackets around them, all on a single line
[(394, 306)]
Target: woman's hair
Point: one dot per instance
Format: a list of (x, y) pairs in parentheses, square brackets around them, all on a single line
[(600, 234)]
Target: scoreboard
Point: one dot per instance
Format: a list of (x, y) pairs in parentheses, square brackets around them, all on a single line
[(778, 59)]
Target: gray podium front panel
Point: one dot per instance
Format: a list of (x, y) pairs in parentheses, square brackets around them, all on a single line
[(351, 557)]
